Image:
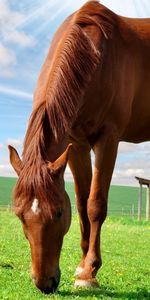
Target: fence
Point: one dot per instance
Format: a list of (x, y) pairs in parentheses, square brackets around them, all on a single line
[(123, 212)]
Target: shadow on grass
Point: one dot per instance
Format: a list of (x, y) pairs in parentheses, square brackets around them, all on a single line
[(6, 265), (141, 293)]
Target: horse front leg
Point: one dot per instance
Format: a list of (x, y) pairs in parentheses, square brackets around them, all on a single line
[(105, 150), (80, 165)]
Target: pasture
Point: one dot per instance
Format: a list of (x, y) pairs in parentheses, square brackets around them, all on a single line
[(122, 199), (125, 251)]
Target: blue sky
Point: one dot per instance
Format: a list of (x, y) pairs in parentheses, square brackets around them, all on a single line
[(26, 29)]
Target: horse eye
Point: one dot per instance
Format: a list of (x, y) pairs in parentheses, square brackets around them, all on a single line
[(58, 214)]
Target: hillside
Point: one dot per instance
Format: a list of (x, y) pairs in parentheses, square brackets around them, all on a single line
[(122, 199)]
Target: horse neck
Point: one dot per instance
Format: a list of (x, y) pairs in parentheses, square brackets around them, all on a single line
[(56, 148)]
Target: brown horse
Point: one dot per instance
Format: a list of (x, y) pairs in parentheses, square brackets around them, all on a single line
[(93, 92)]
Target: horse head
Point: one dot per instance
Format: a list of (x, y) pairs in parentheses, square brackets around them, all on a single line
[(44, 222)]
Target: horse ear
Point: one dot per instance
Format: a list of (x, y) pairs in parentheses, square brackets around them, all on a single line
[(60, 163), (15, 159)]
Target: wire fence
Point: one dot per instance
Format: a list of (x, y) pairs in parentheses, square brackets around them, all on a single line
[(131, 212)]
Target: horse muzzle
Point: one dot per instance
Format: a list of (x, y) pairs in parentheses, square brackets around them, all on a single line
[(47, 285)]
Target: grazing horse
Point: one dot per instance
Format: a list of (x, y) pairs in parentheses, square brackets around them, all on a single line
[(92, 93)]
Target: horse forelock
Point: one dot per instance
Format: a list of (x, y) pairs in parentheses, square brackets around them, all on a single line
[(36, 182)]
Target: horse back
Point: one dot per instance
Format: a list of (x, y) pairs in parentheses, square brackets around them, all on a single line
[(119, 92), (137, 129)]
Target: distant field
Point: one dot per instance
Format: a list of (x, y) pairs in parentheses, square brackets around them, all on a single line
[(6, 187), (122, 200)]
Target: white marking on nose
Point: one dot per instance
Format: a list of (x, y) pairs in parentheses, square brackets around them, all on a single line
[(35, 207)]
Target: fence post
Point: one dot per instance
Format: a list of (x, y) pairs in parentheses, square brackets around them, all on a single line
[(140, 203), (148, 204)]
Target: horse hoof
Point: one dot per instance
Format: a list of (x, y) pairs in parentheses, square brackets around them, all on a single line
[(78, 271), (92, 283)]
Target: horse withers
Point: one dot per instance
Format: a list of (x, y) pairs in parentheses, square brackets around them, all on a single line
[(92, 93)]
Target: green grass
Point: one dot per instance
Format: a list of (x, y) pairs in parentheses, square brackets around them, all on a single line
[(126, 262), (122, 199), (125, 246), (6, 187)]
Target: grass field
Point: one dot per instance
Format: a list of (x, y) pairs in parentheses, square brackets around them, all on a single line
[(122, 199), (126, 263), (125, 250)]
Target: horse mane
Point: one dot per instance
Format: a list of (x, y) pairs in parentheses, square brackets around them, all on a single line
[(77, 60), (74, 69), (75, 63)]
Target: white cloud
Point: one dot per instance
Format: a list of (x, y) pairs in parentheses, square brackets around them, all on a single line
[(128, 8), (7, 170), (132, 160), (14, 142), (15, 92), (1, 146), (10, 21), (146, 147), (8, 16), (128, 148), (5, 167), (20, 38), (126, 170), (7, 60), (9, 35), (7, 57)]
